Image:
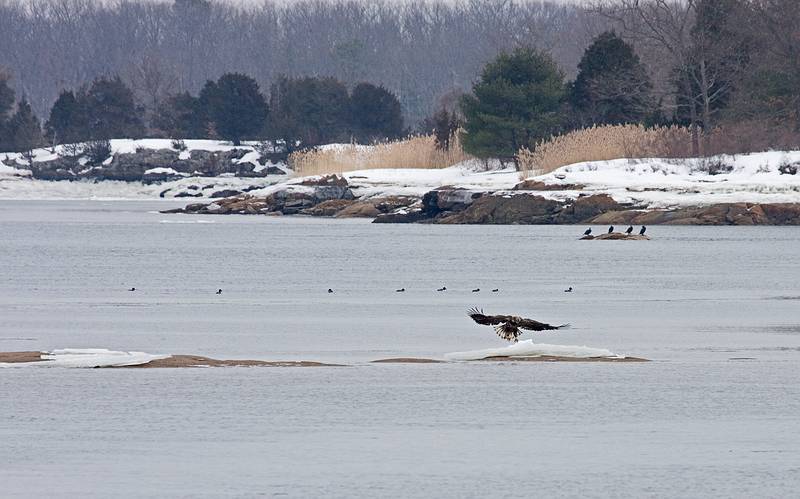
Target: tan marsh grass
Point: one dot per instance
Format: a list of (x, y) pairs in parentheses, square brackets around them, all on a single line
[(415, 152), (602, 143)]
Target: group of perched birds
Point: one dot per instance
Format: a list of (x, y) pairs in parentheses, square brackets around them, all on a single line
[(628, 231)]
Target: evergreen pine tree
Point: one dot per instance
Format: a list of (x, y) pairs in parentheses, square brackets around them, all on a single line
[(310, 111), (111, 110), (612, 86), (235, 106), (182, 117), (6, 105), (24, 128), (515, 104), (375, 114), (67, 123)]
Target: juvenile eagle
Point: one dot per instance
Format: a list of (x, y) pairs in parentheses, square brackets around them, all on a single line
[(508, 326)]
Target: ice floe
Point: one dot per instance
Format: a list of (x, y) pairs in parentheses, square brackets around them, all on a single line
[(527, 348), (90, 357)]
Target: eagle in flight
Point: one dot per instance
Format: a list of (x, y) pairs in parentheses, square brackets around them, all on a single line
[(508, 326)]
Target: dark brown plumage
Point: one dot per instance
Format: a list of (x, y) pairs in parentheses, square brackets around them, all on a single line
[(508, 326)]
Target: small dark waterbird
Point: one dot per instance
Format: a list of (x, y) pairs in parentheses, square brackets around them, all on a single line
[(568, 290), (588, 231), (629, 230), (401, 290), (442, 289), (476, 290), (495, 290), (611, 229), (132, 289), (508, 326), (219, 292), (641, 232), (330, 290)]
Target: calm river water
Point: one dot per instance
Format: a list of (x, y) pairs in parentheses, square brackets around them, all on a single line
[(716, 414)]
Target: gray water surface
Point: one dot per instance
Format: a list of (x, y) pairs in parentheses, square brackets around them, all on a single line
[(716, 415)]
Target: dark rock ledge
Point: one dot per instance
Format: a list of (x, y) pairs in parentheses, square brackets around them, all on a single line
[(332, 196)]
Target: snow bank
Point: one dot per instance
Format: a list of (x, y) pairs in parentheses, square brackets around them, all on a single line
[(14, 187), (672, 183), (165, 171), (649, 183), (528, 348), (90, 357)]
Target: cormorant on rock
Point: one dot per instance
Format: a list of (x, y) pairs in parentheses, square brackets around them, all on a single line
[(568, 290), (219, 291), (629, 230), (476, 290), (641, 232), (495, 290), (132, 289), (442, 289), (611, 229), (330, 290), (401, 290), (588, 231)]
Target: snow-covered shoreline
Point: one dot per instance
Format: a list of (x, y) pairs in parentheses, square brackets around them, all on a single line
[(644, 183)]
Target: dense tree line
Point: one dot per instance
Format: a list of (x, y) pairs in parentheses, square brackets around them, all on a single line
[(301, 112), (416, 50), (726, 69), (698, 63), (20, 129)]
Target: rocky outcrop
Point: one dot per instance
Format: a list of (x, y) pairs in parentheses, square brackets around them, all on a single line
[(718, 214), (225, 193), (331, 196), (328, 208), (57, 169), (586, 207), (517, 209), (616, 236), (359, 209), (403, 216), (168, 165), (536, 185)]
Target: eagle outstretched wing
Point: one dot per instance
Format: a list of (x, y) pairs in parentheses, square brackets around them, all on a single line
[(532, 325), (486, 320), (508, 326)]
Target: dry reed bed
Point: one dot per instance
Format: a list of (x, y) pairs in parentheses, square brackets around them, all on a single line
[(415, 152), (602, 143)]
